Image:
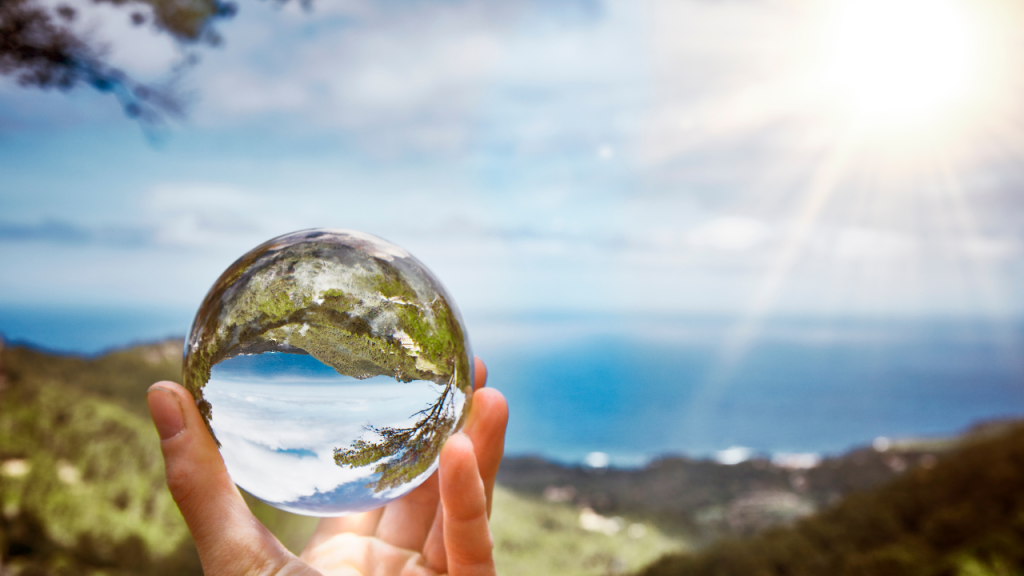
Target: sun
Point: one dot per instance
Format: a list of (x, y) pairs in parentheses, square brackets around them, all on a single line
[(901, 62)]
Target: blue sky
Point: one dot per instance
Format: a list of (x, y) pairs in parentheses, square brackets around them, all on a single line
[(573, 155)]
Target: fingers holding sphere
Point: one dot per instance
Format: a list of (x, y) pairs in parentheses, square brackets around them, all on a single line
[(486, 429), (479, 373), (467, 536), (220, 522)]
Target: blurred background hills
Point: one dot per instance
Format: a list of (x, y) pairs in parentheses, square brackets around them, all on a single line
[(82, 491)]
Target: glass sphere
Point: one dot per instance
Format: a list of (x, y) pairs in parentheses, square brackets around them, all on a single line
[(330, 367)]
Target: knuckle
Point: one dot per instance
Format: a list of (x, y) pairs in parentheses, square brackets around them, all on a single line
[(476, 557), (470, 516), (180, 483)]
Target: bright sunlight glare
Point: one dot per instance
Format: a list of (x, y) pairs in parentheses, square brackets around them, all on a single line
[(897, 62)]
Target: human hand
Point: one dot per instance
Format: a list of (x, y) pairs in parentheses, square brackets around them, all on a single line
[(438, 528)]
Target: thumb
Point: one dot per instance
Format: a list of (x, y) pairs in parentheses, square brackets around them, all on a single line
[(229, 538)]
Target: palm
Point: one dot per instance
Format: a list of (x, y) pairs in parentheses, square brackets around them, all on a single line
[(438, 528), (351, 555), (397, 540)]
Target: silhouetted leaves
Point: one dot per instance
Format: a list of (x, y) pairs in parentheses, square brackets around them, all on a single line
[(40, 50)]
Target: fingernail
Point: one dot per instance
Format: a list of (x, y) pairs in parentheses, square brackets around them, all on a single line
[(165, 408)]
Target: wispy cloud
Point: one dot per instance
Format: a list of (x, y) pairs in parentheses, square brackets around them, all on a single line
[(68, 233), (568, 153)]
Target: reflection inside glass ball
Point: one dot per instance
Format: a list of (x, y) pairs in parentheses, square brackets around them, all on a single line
[(330, 366)]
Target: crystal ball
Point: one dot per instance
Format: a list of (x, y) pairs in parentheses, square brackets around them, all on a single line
[(330, 366)]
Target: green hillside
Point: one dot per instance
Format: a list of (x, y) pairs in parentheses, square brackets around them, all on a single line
[(703, 500), (537, 538), (82, 492), (81, 479), (964, 516), (121, 376), (82, 487)]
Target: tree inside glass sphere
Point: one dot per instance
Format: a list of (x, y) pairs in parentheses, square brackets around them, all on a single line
[(330, 366)]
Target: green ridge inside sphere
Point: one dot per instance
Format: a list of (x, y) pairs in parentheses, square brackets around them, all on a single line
[(330, 366)]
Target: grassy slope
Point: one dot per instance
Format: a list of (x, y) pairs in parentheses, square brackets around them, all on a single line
[(81, 485), (112, 514), (81, 492), (533, 537), (121, 376)]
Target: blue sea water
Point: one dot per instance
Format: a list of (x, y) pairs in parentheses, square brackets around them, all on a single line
[(639, 388), (636, 387), (90, 330)]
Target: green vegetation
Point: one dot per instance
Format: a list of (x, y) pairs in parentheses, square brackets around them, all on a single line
[(81, 479), (402, 454), (963, 516), (346, 344), (338, 300), (370, 322), (440, 339), (390, 284), (537, 538), (121, 376), (274, 300), (277, 303), (82, 486), (82, 492), (725, 501)]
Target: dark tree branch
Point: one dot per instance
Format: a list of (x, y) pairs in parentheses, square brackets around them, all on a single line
[(402, 454), (39, 49)]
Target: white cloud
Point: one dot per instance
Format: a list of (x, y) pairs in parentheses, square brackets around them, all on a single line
[(730, 233), (411, 73), (278, 436), (989, 248), (722, 71), (428, 77), (872, 244), (649, 153), (209, 216)]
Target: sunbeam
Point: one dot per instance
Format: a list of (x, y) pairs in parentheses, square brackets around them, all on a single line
[(905, 95), (745, 332)]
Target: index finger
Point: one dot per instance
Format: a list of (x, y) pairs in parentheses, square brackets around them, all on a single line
[(467, 537), (479, 373)]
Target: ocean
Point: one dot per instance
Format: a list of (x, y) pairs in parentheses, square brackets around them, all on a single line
[(639, 387), (644, 388)]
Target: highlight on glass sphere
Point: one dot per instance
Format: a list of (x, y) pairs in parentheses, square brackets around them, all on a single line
[(330, 366)]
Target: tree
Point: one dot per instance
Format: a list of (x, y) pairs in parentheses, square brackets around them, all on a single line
[(39, 48), (402, 454)]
